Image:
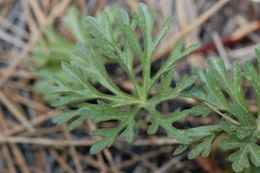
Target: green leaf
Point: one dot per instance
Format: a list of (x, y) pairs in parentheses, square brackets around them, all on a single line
[(165, 84), (215, 82), (168, 93), (121, 16), (254, 151), (163, 30), (94, 67), (238, 94), (247, 150), (48, 55), (175, 56), (166, 121), (76, 73), (97, 31), (85, 90), (132, 40), (64, 116), (70, 99), (146, 22), (223, 92), (73, 21), (129, 132), (204, 148), (106, 141), (180, 149), (254, 79), (215, 96), (76, 123), (104, 112), (203, 131)]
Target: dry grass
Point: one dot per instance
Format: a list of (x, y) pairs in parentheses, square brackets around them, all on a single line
[(29, 142)]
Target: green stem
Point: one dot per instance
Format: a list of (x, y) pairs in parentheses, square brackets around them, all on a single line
[(129, 72), (147, 76), (134, 81), (127, 100)]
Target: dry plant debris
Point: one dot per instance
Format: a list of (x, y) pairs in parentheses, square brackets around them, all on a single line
[(31, 143)]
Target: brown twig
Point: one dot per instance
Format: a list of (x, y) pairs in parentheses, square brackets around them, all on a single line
[(16, 112), (35, 121)]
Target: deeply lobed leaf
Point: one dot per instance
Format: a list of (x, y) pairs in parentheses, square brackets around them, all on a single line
[(116, 38), (223, 91)]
